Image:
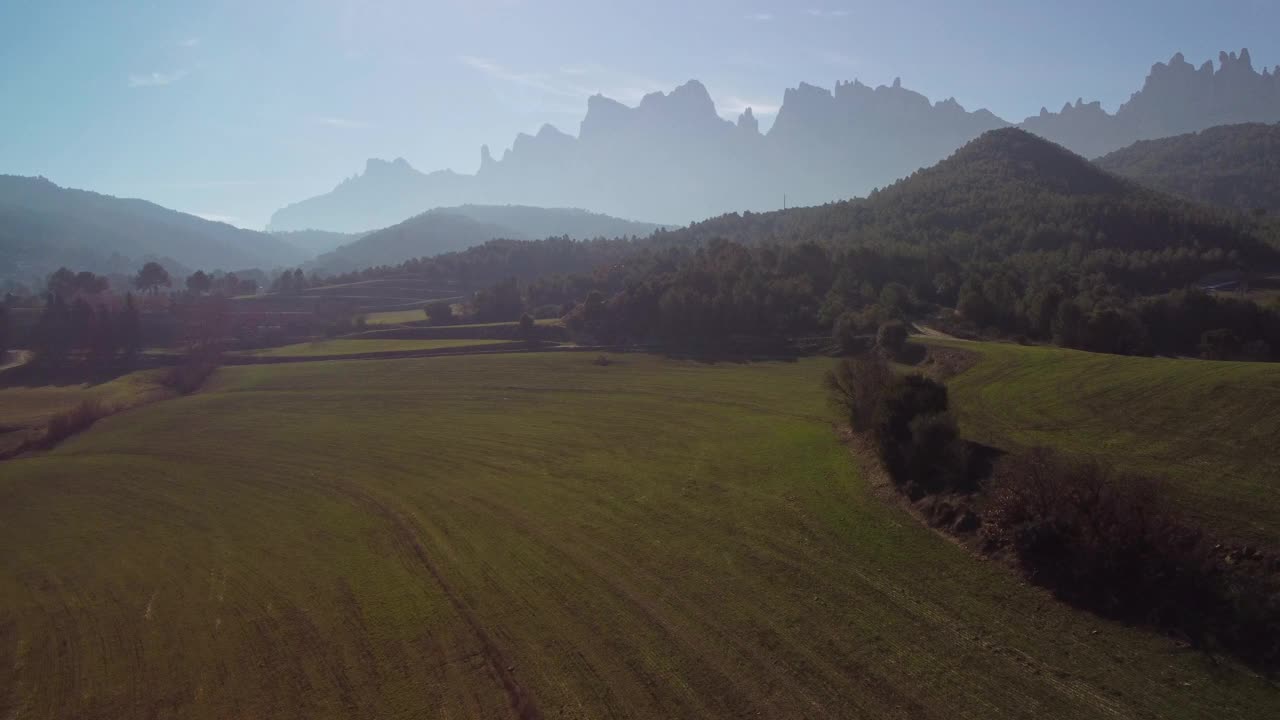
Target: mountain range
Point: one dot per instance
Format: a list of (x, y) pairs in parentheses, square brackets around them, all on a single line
[(673, 158)]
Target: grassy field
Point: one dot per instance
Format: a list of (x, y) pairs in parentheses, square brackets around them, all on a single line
[(341, 346), (395, 317), (400, 317), (25, 408), (1210, 427), (529, 536)]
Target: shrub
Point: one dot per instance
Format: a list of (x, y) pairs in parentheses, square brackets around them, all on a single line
[(73, 421), (845, 333), (856, 386), (439, 312), (188, 375), (1107, 542), (891, 337)]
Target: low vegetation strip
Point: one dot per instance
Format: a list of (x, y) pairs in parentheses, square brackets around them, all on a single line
[(26, 410), (341, 346), (1101, 540), (1209, 427), (643, 538)]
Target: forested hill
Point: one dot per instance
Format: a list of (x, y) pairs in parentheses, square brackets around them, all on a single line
[(1005, 193), (1235, 166)]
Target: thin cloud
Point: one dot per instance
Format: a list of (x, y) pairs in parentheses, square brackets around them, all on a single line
[(838, 59), (156, 79), (759, 17), (190, 42), (497, 71), (828, 14), (575, 81), (343, 123)]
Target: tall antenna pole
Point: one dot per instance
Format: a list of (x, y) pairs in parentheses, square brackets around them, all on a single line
[(784, 201)]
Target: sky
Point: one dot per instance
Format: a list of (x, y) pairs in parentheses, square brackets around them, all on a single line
[(231, 109)]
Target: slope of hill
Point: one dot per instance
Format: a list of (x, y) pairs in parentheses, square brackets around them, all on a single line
[(316, 242), (528, 536), (43, 226), (457, 228), (1235, 166), (674, 158), (1208, 426), (1006, 192)]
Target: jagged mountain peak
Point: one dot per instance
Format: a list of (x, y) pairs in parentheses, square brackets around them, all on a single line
[(672, 157), (378, 166)]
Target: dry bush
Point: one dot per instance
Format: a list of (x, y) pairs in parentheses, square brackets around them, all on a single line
[(1107, 541), (188, 375), (856, 386), (74, 421)]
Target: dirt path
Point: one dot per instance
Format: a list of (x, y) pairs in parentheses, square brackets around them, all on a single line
[(932, 332), (15, 358)]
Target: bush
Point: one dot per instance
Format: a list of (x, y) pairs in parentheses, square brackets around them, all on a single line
[(856, 386), (73, 421), (1105, 541), (917, 439), (187, 376), (891, 337), (439, 312)]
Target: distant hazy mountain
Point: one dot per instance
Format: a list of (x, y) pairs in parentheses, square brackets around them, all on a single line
[(458, 228), (315, 242), (1176, 98), (384, 194), (43, 226), (1236, 166), (673, 158)]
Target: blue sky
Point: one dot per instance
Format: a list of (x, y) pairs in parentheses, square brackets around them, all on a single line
[(231, 109)]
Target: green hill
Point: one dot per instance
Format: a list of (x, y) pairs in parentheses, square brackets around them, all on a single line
[(1004, 194), (527, 536), (1233, 166), (1209, 427)]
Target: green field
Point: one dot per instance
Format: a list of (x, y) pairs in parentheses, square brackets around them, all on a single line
[(340, 346), (27, 408), (1211, 428), (401, 317), (529, 536), (395, 317)]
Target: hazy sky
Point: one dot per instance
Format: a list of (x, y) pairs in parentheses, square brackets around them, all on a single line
[(231, 109)]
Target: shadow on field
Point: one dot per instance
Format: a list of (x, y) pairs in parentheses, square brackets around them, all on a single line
[(36, 375)]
